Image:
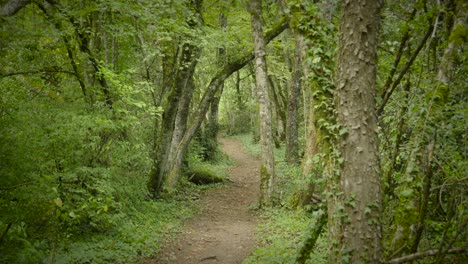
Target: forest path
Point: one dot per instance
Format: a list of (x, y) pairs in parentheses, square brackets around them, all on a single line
[(224, 230)]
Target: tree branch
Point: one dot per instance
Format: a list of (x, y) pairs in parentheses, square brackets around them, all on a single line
[(404, 40), (428, 253), (5, 232), (405, 70), (34, 72)]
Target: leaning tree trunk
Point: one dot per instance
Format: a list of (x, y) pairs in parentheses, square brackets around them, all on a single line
[(267, 170), (184, 82), (356, 207)]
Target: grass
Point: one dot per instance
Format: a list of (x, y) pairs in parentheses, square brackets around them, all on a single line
[(280, 236)]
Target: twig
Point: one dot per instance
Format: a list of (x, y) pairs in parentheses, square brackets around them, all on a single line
[(5, 232), (428, 253), (34, 72), (442, 253), (17, 185), (388, 94)]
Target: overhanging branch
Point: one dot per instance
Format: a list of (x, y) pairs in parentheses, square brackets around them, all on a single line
[(219, 78), (429, 253)]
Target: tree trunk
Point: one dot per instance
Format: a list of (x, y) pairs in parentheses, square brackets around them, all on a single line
[(184, 80), (162, 148), (199, 116), (292, 144), (211, 129), (456, 42), (357, 204), (174, 123), (279, 106), (267, 170), (12, 7)]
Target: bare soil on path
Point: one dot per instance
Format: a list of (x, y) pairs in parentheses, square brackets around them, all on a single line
[(224, 230)]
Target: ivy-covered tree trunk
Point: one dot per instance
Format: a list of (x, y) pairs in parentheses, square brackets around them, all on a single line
[(292, 143), (267, 170), (356, 206)]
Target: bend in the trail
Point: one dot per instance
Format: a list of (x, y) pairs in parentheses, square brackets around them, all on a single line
[(224, 231)]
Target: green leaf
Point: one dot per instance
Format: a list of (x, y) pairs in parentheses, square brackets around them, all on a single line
[(343, 131), (407, 192), (340, 161), (58, 202)]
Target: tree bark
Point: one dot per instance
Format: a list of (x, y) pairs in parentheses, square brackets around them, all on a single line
[(12, 7), (185, 81), (358, 236), (456, 42), (267, 170), (174, 124), (292, 143)]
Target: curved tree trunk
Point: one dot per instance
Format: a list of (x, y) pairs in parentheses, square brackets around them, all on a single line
[(180, 124)]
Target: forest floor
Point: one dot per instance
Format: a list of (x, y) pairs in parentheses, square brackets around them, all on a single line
[(224, 231)]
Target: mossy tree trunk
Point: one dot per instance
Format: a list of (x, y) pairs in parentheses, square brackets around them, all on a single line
[(180, 124), (458, 35), (292, 143), (356, 208), (175, 116), (267, 170)]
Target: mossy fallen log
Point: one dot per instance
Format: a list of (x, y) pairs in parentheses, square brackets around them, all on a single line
[(204, 176)]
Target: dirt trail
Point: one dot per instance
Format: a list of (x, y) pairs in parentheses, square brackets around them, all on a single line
[(224, 231)]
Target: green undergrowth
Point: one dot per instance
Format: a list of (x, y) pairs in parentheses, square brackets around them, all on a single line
[(282, 230), (215, 169), (280, 235), (127, 226), (113, 220), (253, 148)]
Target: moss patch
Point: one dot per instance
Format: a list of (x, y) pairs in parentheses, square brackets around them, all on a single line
[(203, 176)]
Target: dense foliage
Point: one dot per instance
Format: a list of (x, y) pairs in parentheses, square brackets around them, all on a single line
[(106, 105)]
